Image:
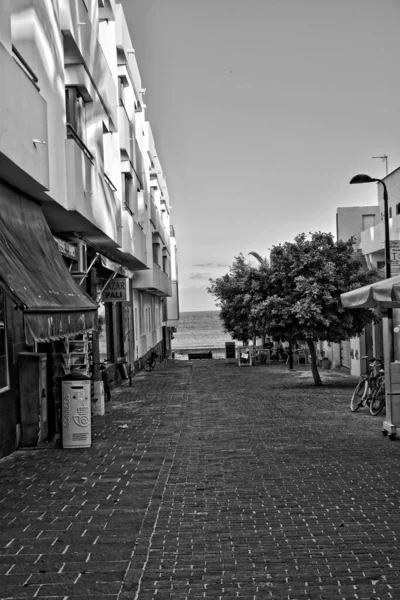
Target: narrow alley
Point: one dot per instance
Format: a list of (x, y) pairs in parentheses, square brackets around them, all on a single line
[(206, 480)]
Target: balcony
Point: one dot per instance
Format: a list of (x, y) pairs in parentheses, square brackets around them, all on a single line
[(125, 135), (23, 119), (133, 251), (123, 41), (154, 281), (93, 209), (373, 239), (157, 222), (138, 163), (82, 46)]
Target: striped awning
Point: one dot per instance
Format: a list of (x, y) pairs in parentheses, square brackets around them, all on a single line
[(33, 273)]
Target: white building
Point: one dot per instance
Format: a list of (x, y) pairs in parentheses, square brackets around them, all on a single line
[(83, 198)]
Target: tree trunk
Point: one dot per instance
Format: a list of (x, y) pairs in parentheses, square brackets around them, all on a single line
[(314, 366), (290, 352)]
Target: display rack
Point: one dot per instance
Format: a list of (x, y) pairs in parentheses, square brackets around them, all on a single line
[(70, 355)]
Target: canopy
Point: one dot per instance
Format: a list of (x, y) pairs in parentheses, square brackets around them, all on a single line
[(34, 274), (384, 293), (116, 267)]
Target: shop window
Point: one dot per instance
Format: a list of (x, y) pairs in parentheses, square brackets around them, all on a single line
[(4, 375), (102, 332)]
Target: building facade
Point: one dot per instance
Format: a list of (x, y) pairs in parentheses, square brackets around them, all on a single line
[(362, 222), (87, 256)]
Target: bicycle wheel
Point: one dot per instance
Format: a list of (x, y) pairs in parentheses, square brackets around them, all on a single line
[(358, 395), (107, 390), (149, 364), (378, 399)]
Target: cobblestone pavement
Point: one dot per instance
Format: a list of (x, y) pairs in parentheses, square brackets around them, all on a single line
[(226, 483)]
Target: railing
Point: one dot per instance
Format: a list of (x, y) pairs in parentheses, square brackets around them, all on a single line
[(138, 166), (72, 133), (25, 67), (110, 183), (153, 212), (126, 207)]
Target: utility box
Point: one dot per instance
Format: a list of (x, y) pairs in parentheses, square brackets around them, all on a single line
[(230, 352), (33, 397), (391, 424), (76, 423)]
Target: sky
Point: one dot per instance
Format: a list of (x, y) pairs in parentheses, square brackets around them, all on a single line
[(262, 111)]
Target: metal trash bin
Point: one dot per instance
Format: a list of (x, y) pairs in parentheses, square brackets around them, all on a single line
[(76, 425)]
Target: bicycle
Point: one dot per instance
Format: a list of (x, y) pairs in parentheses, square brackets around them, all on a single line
[(105, 377), (151, 362), (378, 399), (366, 385)]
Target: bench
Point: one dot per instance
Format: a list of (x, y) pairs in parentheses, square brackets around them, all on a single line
[(199, 355)]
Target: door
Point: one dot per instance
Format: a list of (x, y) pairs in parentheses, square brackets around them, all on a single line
[(345, 354)]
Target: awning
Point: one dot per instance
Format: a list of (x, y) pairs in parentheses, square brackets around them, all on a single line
[(384, 293), (116, 267), (33, 272)]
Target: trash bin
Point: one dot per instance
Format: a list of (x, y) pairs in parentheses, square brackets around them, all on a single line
[(76, 426)]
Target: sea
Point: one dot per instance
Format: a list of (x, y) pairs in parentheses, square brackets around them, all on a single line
[(201, 330)]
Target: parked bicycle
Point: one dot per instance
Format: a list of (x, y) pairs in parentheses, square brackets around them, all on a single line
[(378, 399), (151, 362), (368, 384), (105, 377)]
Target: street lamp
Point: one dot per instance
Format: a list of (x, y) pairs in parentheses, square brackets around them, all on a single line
[(367, 179)]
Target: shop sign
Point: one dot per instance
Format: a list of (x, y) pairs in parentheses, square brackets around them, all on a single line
[(117, 290)]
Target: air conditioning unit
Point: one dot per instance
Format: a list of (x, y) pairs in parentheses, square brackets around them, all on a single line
[(79, 266)]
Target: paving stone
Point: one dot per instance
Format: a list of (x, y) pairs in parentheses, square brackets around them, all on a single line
[(227, 483)]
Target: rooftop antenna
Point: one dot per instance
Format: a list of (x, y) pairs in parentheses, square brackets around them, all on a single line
[(384, 158)]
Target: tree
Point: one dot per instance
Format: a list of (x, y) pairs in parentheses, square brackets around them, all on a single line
[(305, 280), (234, 293)]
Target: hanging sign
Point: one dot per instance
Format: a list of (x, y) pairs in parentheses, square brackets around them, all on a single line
[(395, 257), (116, 290)]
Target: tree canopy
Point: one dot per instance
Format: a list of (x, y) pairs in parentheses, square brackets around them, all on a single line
[(296, 296), (234, 293)]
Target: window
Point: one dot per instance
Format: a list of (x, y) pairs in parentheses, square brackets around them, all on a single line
[(4, 375), (368, 221), (129, 194), (76, 113), (165, 263), (156, 253), (398, 209), (121, 91)]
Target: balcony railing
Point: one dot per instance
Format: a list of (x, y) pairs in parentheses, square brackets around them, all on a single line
[(72, 133), (25, 67)]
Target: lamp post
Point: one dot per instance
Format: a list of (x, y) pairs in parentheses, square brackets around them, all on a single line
[(367, 179), (392, 405)]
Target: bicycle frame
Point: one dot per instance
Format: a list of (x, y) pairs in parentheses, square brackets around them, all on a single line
[(369, 381)]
